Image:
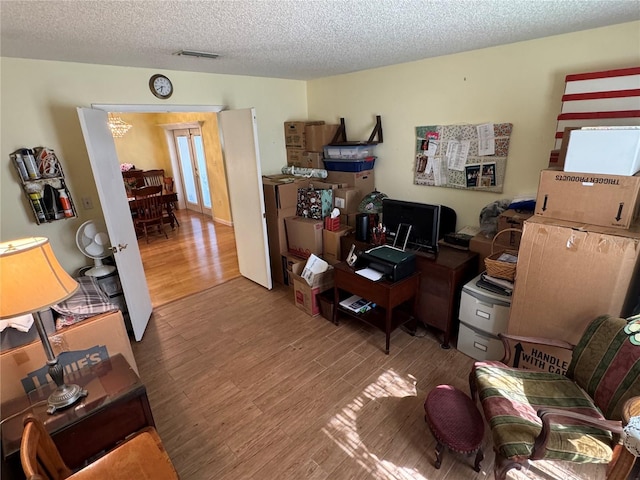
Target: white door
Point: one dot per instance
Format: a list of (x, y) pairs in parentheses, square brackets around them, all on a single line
[(244, 178), (117, 216), (193, 170)]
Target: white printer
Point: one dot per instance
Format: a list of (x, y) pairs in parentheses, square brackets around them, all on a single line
[(483, 314)]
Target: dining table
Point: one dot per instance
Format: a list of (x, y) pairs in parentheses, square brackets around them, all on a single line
[(168, 199)]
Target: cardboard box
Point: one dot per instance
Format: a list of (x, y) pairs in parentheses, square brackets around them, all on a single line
[(294, 157), (306, 296), (607, 151), (295, 133), (347, 199), (86, 343), (312, 160), (288, 261), (508, 220), (606, 200), (363, 181), (317, 136), (281, 196), (331, 243), (482, 246), (304, 236), (570, 273)]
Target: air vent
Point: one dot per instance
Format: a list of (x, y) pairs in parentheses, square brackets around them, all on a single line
[(193, 53)]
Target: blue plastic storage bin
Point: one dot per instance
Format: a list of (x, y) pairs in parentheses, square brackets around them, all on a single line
[(349, 165)]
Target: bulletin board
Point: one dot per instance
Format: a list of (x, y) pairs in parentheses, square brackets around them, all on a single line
[(469, 157)]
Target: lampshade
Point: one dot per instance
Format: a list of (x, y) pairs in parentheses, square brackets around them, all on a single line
[(372, 202), (31, 279)]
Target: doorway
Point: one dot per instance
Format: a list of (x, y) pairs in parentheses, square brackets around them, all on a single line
[(193, 170), (239, 131)]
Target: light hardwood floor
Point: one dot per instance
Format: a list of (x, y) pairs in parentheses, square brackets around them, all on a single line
[(244, 385), (199, 254)]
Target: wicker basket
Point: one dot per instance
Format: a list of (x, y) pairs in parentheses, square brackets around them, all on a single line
[(497, 268)]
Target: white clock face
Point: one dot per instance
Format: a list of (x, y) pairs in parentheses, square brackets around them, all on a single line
[(161, 86)]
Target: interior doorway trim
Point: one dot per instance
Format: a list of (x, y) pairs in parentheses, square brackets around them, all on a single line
[(143, 108)]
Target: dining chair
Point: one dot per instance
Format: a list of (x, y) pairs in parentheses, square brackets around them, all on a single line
[(148, 210), (142, 456), (153, 177), (132, 179)]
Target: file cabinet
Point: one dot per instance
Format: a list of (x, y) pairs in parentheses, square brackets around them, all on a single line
[(483, 314)]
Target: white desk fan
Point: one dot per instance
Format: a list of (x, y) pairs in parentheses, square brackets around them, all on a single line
[(93, 241)]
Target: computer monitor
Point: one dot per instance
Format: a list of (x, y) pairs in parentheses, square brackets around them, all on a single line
[(429, 222)]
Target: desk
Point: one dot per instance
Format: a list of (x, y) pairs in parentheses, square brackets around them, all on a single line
[(442, 279), (115, 407), (386, 295), (168, 199)]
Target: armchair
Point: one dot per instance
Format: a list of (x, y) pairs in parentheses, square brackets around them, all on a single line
[(539, 415)]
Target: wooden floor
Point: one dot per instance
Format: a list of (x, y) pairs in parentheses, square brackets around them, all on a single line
[(244, 385), (199, 254)]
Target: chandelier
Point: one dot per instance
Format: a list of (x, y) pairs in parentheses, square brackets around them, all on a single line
[(118, 126)]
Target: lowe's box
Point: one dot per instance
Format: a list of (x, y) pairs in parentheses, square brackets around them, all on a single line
[(567, 275), (304, 236), (305, 295), (84, 344), (609, 151), (605, 200)]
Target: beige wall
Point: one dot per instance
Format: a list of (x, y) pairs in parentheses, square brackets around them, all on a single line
[(39, 100), (520, 83)]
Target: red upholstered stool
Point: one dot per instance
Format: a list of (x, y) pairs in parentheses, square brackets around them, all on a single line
[(455, 422)]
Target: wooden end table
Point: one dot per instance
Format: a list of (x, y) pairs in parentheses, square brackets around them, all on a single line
[(385, 294), (116, 406)]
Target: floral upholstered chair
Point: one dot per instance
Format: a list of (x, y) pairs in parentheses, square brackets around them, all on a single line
[(539, 415)]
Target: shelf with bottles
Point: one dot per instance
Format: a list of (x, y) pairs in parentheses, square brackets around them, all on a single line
[(43, 183)]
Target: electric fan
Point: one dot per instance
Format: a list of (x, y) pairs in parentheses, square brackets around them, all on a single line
[(93, 241)]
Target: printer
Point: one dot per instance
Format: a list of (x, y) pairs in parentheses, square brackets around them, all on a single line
[(393, 263)]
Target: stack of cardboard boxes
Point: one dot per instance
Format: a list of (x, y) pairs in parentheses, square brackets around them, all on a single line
[(305, 142), (294, 235), (579, 254)]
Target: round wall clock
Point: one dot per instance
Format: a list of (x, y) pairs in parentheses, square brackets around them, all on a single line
[(160, 86)]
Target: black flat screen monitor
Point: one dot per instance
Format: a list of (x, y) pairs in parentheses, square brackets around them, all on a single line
[(429, 222)]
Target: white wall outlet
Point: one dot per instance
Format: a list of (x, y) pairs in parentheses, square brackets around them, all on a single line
[(87, 204)]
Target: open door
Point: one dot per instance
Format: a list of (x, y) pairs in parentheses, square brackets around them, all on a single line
[(117, 216), (244, 178)]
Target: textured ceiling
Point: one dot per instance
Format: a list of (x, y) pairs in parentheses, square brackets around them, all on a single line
[(302, 39)]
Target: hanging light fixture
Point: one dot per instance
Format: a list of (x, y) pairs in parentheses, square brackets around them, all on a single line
[(118, 126)]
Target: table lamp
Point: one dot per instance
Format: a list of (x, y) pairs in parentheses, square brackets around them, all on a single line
[(31, 280)]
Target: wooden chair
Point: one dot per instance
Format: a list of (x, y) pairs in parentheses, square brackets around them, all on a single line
[(574, 417), (133, 179), (141, 456), (148, 210), (153, 177)]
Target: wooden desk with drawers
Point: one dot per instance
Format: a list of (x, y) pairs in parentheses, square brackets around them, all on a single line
[(441, 280)]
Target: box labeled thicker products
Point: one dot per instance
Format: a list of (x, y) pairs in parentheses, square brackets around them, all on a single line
[(605, 200)]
